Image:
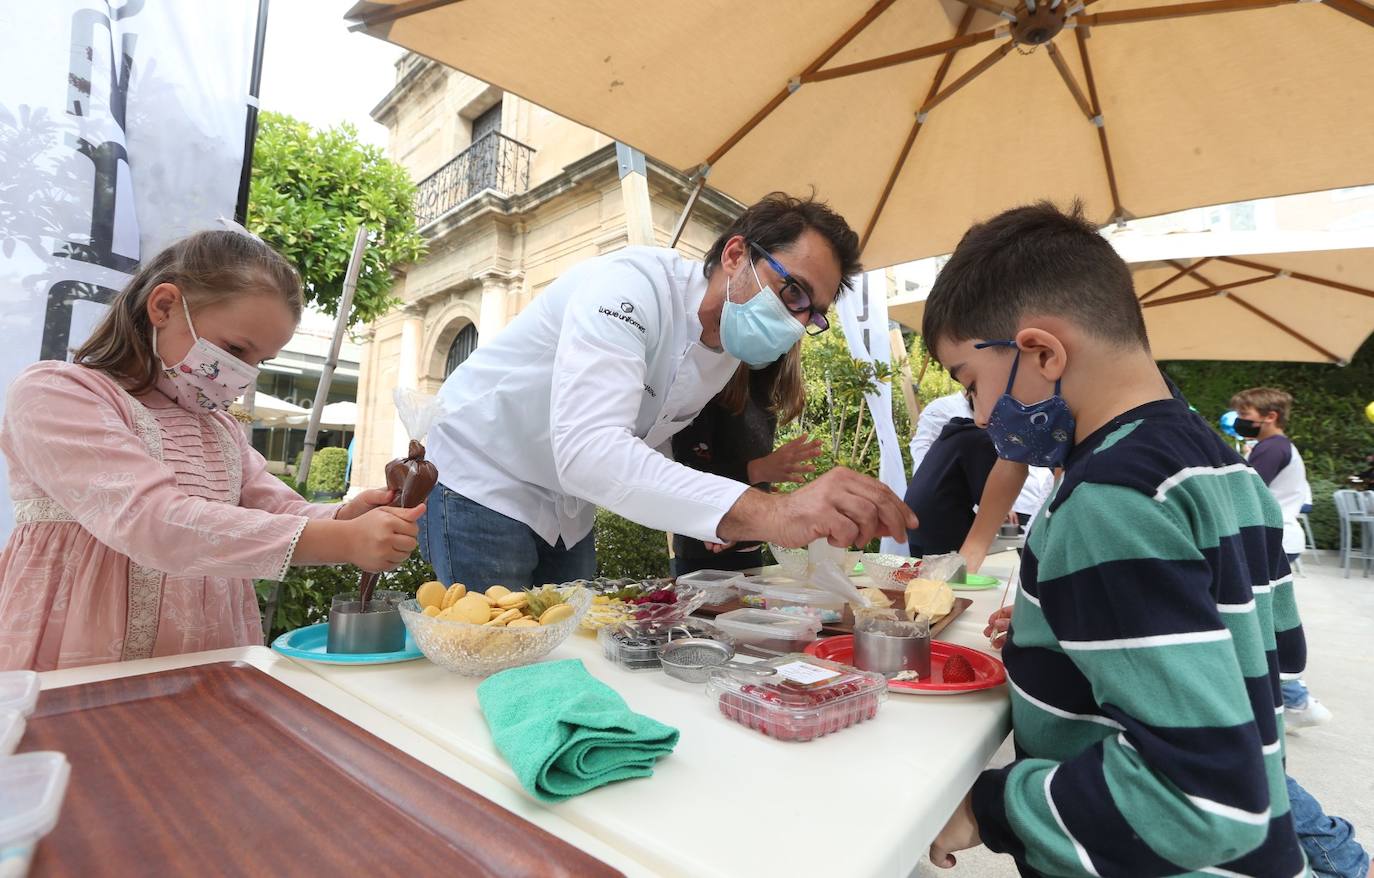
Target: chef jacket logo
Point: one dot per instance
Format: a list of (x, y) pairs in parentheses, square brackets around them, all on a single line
[(625, 317)]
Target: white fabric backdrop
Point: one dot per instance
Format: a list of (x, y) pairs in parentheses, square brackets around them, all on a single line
[(121, 129)]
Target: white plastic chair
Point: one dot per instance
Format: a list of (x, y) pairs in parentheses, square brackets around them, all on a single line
[(1356, 511)]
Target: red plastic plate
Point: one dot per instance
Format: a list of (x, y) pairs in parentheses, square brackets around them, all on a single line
[(988, 671)]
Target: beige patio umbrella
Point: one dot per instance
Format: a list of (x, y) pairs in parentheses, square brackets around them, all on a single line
[(915, 118), (1244, 296)]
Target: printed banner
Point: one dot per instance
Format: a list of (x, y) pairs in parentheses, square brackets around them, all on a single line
[(121, 130)]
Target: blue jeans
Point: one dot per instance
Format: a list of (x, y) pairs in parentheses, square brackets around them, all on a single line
[(466, 542), (1329, 842), (1294, 694)]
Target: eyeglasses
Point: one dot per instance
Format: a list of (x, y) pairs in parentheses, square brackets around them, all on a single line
[(793, 295)]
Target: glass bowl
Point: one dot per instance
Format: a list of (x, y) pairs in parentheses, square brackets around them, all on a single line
[(891, 571), (479, 650)]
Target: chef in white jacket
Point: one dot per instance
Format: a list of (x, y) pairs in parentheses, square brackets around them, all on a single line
[(571, 406)]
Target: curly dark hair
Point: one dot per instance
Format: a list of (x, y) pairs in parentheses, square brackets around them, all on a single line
[(1033, 259), (778, 219)]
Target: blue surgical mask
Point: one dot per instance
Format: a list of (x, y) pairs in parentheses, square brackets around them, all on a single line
[(1040, 434), (759, 330)]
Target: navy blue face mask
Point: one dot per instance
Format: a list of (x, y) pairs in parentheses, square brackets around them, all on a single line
[(1038, 435)]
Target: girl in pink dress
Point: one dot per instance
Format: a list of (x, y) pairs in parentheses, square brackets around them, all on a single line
[(142, 514)]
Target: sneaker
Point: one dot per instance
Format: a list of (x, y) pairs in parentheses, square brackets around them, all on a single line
[(1313, 713)]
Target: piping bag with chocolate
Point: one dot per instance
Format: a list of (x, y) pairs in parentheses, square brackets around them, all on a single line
[(410, 477)]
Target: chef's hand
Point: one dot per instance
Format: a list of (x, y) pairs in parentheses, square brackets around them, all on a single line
[(384, 537), (787, 463), (960, 833), (717, 548), (366, 501), (998, 625), (842, 506)]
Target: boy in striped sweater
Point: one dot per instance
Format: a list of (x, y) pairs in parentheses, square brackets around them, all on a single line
[(1156, 608)]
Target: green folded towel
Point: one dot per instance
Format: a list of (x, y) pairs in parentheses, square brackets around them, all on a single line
[(564, 732)]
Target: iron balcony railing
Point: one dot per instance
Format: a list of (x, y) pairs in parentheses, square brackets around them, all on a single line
[(494, 162)]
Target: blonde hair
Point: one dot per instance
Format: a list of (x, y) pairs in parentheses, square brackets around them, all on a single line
[(207, 267), (788, 397), (1265, 400)]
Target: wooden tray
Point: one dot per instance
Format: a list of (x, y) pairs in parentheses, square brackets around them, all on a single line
[(846, 623), (221, 770)]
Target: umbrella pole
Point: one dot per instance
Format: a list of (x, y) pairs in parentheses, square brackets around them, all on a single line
[(688, 208), (355, 264)]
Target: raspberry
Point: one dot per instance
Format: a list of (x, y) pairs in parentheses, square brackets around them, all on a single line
[(958, 670)]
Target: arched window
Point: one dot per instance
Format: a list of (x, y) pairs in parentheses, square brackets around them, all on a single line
[(461, 349)]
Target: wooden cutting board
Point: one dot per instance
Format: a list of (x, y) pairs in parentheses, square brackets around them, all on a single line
[(846, 623), (221, 770)]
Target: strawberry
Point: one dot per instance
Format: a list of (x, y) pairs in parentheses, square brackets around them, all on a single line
[(958, 670)]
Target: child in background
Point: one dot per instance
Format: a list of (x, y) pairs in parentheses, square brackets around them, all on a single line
[(1156, 608), (1262, 413), (142, 513)]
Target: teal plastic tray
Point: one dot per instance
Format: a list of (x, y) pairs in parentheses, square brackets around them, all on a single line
[(308, 644)]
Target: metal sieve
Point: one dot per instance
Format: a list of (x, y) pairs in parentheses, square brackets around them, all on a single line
[(693, 659)]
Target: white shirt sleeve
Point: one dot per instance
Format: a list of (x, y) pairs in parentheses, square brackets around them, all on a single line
[(598, 383), (932, 421)]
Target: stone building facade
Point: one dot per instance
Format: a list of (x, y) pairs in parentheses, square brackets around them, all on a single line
[(510, 196)]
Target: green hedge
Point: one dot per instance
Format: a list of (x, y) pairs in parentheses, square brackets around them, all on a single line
[(327, 470), (624, 548)]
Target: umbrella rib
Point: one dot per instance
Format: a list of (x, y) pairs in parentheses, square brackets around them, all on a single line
[(1284, 328), (1180, 10), (1081, 33), (868, 18), (1298, 275), (399, 11), (935, 84), (910, 55), (1355, 9), (1067, 75), (991, 6), (1182, 270), (973, 73), (1208, 291)]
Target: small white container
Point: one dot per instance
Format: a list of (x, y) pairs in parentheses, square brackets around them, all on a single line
[(718, 586), (769, 629), (32, 786), (11, 730), (18, 691)]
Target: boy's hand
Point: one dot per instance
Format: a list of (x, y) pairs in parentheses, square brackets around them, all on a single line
[(960, 833), (365, 502), (998, 624), (384, 537)]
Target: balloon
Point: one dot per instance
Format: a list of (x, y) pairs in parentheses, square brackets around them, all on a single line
[(1228, 424), (1369, 412)]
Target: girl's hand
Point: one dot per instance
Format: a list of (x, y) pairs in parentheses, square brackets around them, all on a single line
[(365, 502), (384, 537), (998, 624), (787, 463)]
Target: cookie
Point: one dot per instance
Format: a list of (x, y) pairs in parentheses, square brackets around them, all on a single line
[(431, 594), (496, 592), (523, 622), (504, 618), (455, 593), (513, 600), (472, 608), (556, 613), (432, 611)]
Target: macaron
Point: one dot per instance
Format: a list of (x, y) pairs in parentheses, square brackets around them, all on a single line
[(556, 613), (432, 611), (496, 592), (505, 618), (431, 594), (455, 593), (523, 622), (515, 599)]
